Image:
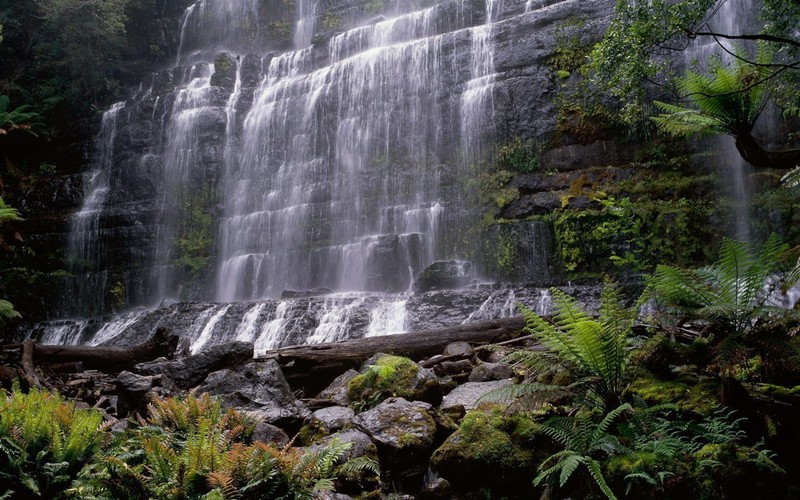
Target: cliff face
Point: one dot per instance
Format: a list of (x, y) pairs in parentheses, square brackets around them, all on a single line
[(313, 144)]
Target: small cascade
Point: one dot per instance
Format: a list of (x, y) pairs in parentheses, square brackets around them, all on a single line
[(114, 329), (735, 171), (86, 244), (247, 329), (208, 330), (388, 318), (336, 317), (477, 101), (271, 332), (304, 27)]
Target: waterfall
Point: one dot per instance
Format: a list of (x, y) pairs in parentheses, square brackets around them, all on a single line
[(735, 172), (85, 240), (261, 166)]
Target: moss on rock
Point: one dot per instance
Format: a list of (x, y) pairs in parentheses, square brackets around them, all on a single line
[(392, 376), (490, 450)]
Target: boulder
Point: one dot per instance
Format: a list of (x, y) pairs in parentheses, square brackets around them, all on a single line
[(190, 371), (459, 348), (405, 433), (337, 391), (266, 432), (333, 418), (224, 71), (259, 387), (486, 372), (385, 375), (490, 450), (468, 395), (132, 392), (438, 489), (444, 275)]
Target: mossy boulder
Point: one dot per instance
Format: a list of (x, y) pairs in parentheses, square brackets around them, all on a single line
[(698, 395), (386, 376), (490, 450), (729, 470), (405, 433)]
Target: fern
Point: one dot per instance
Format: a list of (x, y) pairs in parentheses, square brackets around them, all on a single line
[(724, 99), (584, 441), (594, 349), (733, 296)]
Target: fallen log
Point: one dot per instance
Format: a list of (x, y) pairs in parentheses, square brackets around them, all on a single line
[(105, 359), (312, 367)]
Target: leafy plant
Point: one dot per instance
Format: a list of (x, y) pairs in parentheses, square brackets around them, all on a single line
[(732, 296), (44, 442), (593, 349), (20, 119), (584, 442)]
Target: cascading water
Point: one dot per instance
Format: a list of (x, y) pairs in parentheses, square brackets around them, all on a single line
[(736, 172), (270, 164)]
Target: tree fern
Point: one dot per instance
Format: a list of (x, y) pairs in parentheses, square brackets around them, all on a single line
[(724, 99), (733, 295), (595, 348)]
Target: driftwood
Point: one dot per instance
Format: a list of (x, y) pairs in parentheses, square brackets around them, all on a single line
[(105, 359), (313, 367), (28, 370)]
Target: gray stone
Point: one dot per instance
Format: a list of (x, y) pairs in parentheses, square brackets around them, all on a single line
[(486, 372), (468, 395), (438, 489), (261, 387), (337, 391), (190, 371), (266, 432), (444, 275), (224, 71), (459, 349), (405, 434), (333, 418)]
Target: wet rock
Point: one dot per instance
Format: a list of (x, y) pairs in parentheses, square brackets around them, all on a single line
[(459, 349), (467, 396), (337, 391), (333, 418), (266, 432), (405, 433), (251, 70), (260, 387), (131, 390), (486, 372), (190, 371), (490, 450), (444, 275), (531, 204), (438, 489), (384, 375), (224, 71)]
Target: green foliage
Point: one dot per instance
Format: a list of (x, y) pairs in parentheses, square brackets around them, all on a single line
[(389, 376), (44, 442), (519, 156), (21, 118), (195, 243), (595, 349), (732, 296), (190, 448), (725, 99), (584, 441), (636, 232)]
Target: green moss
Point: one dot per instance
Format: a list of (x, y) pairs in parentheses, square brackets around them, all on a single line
[(700, 396), (389, 376), (490, 450)]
